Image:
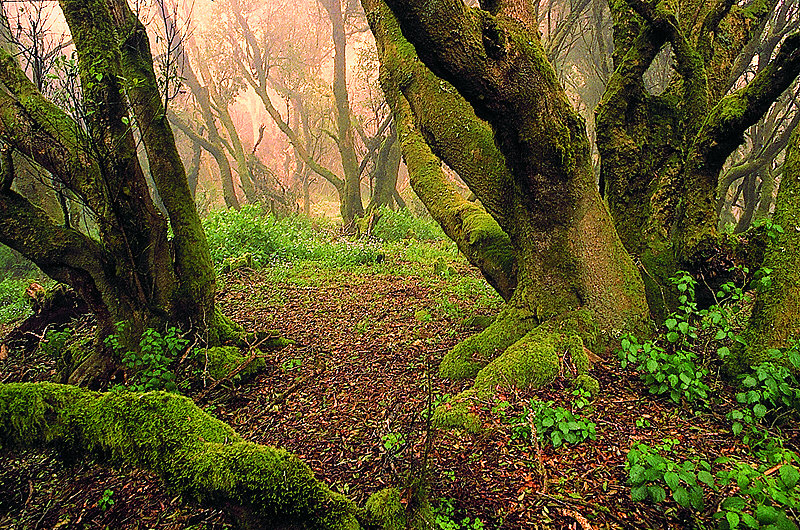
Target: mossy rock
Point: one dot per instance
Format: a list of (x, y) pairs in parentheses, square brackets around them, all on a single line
[(224, 359)]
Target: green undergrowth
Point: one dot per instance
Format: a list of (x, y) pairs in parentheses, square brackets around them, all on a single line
[(249, 237), (758, 490)]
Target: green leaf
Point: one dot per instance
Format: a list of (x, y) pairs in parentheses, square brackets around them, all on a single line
[(639, 493), (706, 478), (789, 476), (672, 480), (681, 496), (733, 520), (657, 494), (766, 514), (696, 498), (734, 503)]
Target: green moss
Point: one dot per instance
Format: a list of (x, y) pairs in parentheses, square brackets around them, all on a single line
[(238, 262), (224, 330), (197, 455), (385, 509), (455, 414), (223, 359), (532, 361), (470, 355), (587, 383)]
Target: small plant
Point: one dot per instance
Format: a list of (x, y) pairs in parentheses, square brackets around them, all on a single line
[(765, 498), (54, 342), (770, 392), (677, 374), (649, 470), (152, 362), (556, 424), (393, 441), (106, 500), (445, 518), (291, 364)]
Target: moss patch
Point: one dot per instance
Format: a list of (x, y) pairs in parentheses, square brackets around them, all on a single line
[(224, 359), (197, 455)]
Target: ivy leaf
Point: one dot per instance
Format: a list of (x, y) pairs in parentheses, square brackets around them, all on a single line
[(789, 476)]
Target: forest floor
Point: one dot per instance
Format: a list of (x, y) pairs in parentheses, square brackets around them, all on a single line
[(350, 398)]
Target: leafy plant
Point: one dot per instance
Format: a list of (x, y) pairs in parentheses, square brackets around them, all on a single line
[(393, 442), (446, 519), (767, 496), (403, 224), (151, 363), (676, 373), (555, 424), (106, 500), (54, 342), (649, 470)]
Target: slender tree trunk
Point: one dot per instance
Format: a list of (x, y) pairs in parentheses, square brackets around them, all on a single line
[(775, 320)]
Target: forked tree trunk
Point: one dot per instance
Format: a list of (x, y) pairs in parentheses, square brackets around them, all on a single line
[(575, 283), (132, 273)]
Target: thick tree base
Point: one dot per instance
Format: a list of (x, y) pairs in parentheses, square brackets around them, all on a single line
[(532, 361)]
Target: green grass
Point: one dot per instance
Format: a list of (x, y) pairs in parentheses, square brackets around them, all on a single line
[(13, 305)]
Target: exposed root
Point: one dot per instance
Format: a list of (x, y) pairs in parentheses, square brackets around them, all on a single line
[(467, 358), (532, 361)]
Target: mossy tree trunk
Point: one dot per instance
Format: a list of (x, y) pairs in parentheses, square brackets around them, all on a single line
[(573, 276), (387, 166), (661, 154), (132, 273), (775, 320)]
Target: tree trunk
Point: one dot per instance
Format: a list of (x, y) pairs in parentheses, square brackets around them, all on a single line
[(132, 273), (661, 155), (387, 166), (775, 320), (574, 278)]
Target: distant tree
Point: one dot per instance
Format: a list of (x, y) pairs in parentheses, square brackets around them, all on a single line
[(132, 271)]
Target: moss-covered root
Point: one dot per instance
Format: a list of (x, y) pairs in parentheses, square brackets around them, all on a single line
[(198, 456), (531, 362), (470, 355)]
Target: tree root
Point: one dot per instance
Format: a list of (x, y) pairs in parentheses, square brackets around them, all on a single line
[(467, 357), (530, 362), (198, 456)]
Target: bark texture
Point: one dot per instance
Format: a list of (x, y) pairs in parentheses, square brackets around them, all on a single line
[(573, 276), (131, 273)]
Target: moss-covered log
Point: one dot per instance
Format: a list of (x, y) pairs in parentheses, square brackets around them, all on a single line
[(198, 456)]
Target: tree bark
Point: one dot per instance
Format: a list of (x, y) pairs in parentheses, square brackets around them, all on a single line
[(775, 320), (573, 274)]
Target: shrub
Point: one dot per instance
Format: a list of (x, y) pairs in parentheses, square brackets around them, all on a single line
[(403, 224), (557, 425), (232, 234)]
